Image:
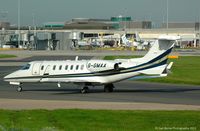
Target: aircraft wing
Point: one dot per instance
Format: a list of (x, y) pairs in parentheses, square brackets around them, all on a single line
[(65, 81), (146, 77), (74, 81)]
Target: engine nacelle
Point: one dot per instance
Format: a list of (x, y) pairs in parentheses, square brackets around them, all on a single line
[(102, 65)]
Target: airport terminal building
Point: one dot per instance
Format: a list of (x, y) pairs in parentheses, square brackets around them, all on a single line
[(62, 35)]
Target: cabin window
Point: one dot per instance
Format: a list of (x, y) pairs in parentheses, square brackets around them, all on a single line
[(42, 67), (77, 66), (66, 67), (82, 66), (26, 67), (71, 68), (60, 67), (54, 67)]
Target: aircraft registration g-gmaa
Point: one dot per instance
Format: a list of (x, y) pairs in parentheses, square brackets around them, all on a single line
[(98, 72)]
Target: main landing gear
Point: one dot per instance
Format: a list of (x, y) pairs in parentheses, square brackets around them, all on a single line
[(85, 89), (109, 88)]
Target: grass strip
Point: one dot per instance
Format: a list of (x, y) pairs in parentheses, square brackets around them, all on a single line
[(98, 120), (6, 56)]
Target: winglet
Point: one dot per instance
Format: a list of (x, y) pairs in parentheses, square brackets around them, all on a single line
[(167, 69), (169, 66)]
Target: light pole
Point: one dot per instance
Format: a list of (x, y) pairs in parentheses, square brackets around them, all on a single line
[(33, 18), (167, 14), (18, 12)]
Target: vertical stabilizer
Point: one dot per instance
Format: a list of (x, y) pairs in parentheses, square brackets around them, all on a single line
[(161, 47), (137, 37), (155, 61)]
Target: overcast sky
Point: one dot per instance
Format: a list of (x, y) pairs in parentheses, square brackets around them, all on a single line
[(62, 10)]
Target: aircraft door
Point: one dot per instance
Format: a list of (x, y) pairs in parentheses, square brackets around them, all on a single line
[(47, 71), (36, 68), (44, 73)]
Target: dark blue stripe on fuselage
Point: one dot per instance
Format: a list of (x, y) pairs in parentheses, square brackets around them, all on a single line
[(155, 59)]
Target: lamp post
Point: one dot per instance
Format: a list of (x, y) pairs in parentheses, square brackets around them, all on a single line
[(18, 12), (33, 19), (167, 14)]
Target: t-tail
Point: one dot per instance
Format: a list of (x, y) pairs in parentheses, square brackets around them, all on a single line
[(125, 40), (155, 61)]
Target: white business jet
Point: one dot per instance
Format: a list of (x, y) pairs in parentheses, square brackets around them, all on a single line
[(97, 72)]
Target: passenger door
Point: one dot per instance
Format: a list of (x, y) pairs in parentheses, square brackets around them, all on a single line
[(47, 71), (36, 68), (44, 72)]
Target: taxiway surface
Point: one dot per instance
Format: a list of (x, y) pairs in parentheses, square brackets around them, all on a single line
[(126, 91)]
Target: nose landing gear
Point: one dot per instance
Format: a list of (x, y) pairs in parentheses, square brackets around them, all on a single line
[(19, 89)]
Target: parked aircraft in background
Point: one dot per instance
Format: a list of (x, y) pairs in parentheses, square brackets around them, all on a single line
[(137, 42), (87, 73)]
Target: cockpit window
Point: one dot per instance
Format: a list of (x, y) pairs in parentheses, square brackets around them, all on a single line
[(26, 67)]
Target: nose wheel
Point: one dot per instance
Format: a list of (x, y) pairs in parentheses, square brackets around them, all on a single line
[(19, 89)]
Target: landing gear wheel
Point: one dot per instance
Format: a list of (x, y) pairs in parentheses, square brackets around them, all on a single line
[(19, 89), (84, 90), (108, 88)]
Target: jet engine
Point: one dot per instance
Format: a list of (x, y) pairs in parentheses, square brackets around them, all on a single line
[(101, 65)]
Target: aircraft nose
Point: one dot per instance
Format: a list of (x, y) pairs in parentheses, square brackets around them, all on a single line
[(7, 77)]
